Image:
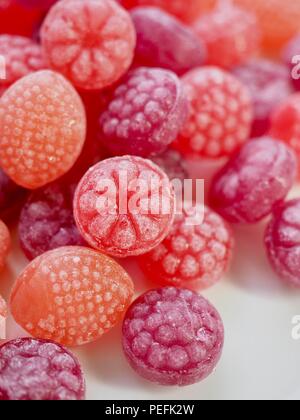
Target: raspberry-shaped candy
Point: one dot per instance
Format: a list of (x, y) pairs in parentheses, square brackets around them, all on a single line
[(186, 11), (22, 56), (5, 243), (231, 35), (285, 123), (163, 41), (39, 370), (42, 128), (282, 241), (291, 57), (172, 164), (145, 114), (47, 221), (3, 316), (91, 42), (173, 336), (220, 114), (72, 295), (11, 196), (269, 85), (124, 206), (254, 181), (193, 255)]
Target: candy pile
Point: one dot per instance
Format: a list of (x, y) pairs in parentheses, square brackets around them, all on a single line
[(103, 103)]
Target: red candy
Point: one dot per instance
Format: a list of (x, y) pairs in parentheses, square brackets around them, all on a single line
[(5, 244), (124, 206), (15, 18), (172, 164), (22, 56), (282, 241), (145, 113), (269, 85), (42, 128), (220, 114), (75, 294), (39, 370), (173, 336), (192, 255), (254, 181), (11, 196), (91, 42), (163, 41), (231, 35), (47, 221)]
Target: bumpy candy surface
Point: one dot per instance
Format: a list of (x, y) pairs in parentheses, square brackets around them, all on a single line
[(186, 11), (5, 243), (173, 336), (163, 41), (124, 206), (42, 128), (254, 181), (11, 196), (75, 295), (145, 113), (22, 56), (269, 84), (231, 35), (291, 57), (193, 255), (220, 115), (47, 222), (91, 42), (282, 241), (39, 370)]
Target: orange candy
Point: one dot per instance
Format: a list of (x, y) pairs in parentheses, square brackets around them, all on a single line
[(71, 295), (42, 128), (5, 243)]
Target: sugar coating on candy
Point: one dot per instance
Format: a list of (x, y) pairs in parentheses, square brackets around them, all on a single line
[(163, 41), (193, 255), (124, 206), (5, 243), (186, 11), (47, 222), (145, 114), (11, 196), (22, 56), (269, 85), (231, 35), (254, 181), (42, 128), (285, 122), (39, 370), (171, 162), (282, 240), (290, 56), (72, 295), (3, 316), (173, 336), (91, 42), (220, 115)]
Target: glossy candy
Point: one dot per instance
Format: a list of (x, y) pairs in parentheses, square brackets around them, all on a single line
[(163, 41), (42, 128), (145, 113), (195, 254), (282, 241), (39, 370), (5, 244), (173, 336), (47, 221), (124, 206), (220, 114), (254, 181), (75, 295), (91, 42)]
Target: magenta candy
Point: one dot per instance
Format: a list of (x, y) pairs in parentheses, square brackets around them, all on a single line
[(11, 196), (171, 162), (282, 241), (254, 181), (145, 114), (35, 370), (269, 84), (47, 221), (163, 41), (173, 336), (289, 54)]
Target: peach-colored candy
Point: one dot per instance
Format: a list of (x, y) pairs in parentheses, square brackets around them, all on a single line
[(3, 315), (71, 295), (5, 243), (42, 128)]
